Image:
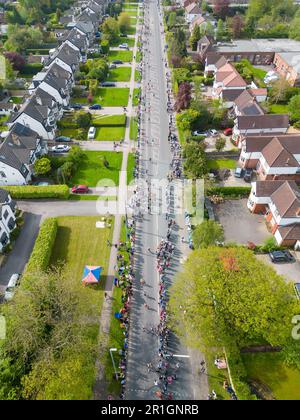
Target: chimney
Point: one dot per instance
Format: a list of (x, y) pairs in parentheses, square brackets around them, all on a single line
[(298, 212)]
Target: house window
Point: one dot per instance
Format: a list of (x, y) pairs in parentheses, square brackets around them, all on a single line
[(5, 215)]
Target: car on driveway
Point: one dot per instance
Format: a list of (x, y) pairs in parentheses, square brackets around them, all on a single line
[(227, 132), (63, 139), (76, 106), (95, 107), (200, 133), (124, 46), (91, 133), (107, 84), (80, 189), (117, 62), (281, 256), (239, 172), (112, 66), (61, 148), (248, 175), (213, 132), (11, 287)]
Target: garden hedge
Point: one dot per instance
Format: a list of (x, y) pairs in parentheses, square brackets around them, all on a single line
[(42, 250), (61, 192), (229, 192), (31, 69)]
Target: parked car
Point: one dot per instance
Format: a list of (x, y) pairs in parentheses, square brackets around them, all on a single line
[(248, 175), (97, 34), (239, 172), (123, 35), (124, 46), (95, 107), (107, 84), (112, 66), (213, 132), (42, 184), (80, 189), (281, 256), (11, 287), (63, 139), (200, 133), (76, 106), (227, 132), (297, 289), (117, 62), (60, 148), (91, 133)]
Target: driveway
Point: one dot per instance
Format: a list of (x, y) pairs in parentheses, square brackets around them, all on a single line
[(290, 271), (20, 254), (239, 224)]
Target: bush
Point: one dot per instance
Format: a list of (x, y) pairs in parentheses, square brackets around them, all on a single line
[(229, 192), (30, 191), (42, 250), (31, 69), (105, 46)]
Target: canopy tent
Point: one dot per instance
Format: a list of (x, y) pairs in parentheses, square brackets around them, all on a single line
[(91, 274)]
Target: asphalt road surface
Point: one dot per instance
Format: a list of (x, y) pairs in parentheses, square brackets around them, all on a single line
[(143, 345)]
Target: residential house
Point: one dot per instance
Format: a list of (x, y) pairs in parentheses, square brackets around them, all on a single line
[(66, 56), (260, 94), (227, 77), (202, 21), (287, 64), (245, 104), (7, 217), (273, 157), (191, 12), (18, 153), (258, 125), (213, 63), (279, 201)]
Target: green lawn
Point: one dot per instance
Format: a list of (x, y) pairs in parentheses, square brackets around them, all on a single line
[(123, 40), (91, 170), (71, 132), (279, 109), (110, 133), (216, 377), (138, 58), (221, 164), (268, 368), (120, 74), (16, 99), (79, 243), (137, 76), (110, 96), (125, 56), (133, 128), (136, 96), (131, 30), (109, 120)]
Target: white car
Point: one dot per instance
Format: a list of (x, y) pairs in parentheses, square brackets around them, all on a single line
[(91, 133), (200, 133), (60, 148), (124, 46), (11, 287), (213, 132)]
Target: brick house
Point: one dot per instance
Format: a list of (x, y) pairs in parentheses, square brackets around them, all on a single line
[(288, 66)]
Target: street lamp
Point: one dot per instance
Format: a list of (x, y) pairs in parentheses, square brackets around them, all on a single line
[(113, 361)]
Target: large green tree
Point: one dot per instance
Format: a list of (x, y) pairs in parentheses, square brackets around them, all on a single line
[(208, 233), (195, 165), (294, 107), (228, 294), (124, 22), (110, 29)]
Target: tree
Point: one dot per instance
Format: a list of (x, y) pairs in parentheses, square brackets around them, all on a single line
[(294, 108), (294, 31), (208, 233), (124, 22), (183, 98), (237, 26), (221, 8), (110, 29), (220, 144), (195, 161), (195, 37), (187, 118), (279, 90), (221, 29), (21, 38), (83, 119), (16, 59), (42, 166), (231, 296)]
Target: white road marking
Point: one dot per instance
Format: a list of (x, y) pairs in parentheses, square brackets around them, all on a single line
[(185, 356)]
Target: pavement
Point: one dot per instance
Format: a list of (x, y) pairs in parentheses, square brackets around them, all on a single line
[(289, 271), (143, 346)]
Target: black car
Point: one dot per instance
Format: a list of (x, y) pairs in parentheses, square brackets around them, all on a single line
[(107, 84), (117, 62), (281, 256), (75, 106), (248, 175)]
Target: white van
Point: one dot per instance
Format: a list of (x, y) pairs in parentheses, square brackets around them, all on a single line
[(91, 133), (11, 287)]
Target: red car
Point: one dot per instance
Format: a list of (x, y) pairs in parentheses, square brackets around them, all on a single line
[(227, 131), (80, 189)]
